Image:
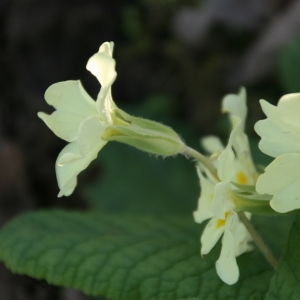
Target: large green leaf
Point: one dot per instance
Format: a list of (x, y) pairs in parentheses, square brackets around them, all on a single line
[(139, 183), (124, 257), (286, 282)]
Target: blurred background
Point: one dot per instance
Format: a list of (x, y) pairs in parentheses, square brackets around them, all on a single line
[(175, 61)]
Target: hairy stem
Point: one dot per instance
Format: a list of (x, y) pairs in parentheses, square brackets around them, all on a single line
[(258, 240), (204, 160)]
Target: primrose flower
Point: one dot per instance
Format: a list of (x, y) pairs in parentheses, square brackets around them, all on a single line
[(80, 120), (280, 138), (218, 200), (88, 125)]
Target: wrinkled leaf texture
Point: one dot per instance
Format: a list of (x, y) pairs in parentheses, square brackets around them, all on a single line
[(124, 257)]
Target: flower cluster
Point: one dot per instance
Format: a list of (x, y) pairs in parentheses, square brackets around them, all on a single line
[(231, 188), (218, 200)]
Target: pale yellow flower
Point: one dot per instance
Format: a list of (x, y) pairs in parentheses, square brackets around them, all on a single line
[(80, 120), (280, 138), (217, 200), (88, 125)]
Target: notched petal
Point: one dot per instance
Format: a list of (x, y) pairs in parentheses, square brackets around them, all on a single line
[(70, 96), (65, 125)]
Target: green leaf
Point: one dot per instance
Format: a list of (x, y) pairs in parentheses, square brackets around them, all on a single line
[(125, 257), (135, 182), (274, 230), (286, 282)]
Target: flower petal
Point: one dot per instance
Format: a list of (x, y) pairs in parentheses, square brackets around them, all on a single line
[(70, 96), (245, 171), (281, 130), (289, 107), (105, 105), (281, 173), (288, 199), (67, 158), (89, 136), (211, 234), (235, 105), (222, 201), (242, 238), (226, 160), (277, 137), (65, 125), (203, 211), (67, 174), (212, 144), (102, 66), (227, 157), (226, 265), (107, 48), (281, 179)]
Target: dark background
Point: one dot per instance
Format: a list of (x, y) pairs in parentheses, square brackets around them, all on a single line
[(175, 61)]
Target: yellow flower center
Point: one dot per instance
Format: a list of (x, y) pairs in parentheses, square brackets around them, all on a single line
[(241, 178), (221, 222)]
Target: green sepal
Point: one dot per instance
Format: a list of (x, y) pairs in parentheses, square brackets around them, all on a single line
[(254, 203), (257, 197), (152, 127), (143, 134), (244, 187)]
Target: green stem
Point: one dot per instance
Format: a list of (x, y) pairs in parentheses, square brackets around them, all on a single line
[(204, 160), (258, 240)]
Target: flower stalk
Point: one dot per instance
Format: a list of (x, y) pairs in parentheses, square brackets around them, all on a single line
[(204, 160), (257, 239)]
